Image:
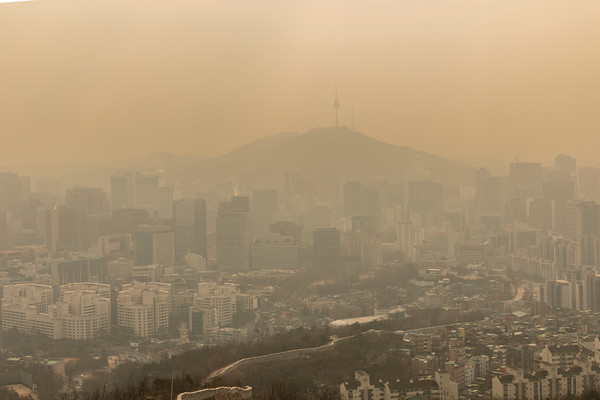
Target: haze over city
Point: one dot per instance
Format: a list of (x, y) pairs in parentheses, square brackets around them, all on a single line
[(266, 200), (110, 80)]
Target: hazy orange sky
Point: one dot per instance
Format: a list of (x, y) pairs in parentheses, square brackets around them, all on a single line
[(111, 79)]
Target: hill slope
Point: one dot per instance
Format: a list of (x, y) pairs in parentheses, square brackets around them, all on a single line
[(338, 148)]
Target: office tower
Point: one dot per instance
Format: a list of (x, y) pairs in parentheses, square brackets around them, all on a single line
[(589, 182), (327, 186), (526, 179), (88, 200), (560, 192), (426, 199), (296, 183), (4, 239), (264, 208), (368, 224), (565, 163), (96, 225), (590, 250), (165, 202), (490, 192), (522, 238), (190, 227), (406, 239), (13, 189), (326, 248), (143, 309), (122, 190), (583, 219), (558, 294), (78, 269), (131, 190), (366, 199), (127, 220), (146, 190), (287, 228), (64, 229), (235, 234), (154, 244), (366, 238), (352, 198), (541, 214), (515, 210)]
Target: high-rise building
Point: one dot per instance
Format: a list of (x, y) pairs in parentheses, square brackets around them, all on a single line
[(78, 269), (351, 198), (13, 189), (235, 234), (541, 214), (264, 208), (127, 220), (220, 298), (154, 244), (515, 210), (64, 229), (326, 248), (583, 219), (165, 202), (406, 239), (426, 199), (490, 192), (4, 238), (190, 227), (144, 308), (87, 200), (146, 190), (96, 225), (526, 178), (589, 182), (565, 163), (365, 199), (287, 228), (560, 192), (122, 187), (134, 190)]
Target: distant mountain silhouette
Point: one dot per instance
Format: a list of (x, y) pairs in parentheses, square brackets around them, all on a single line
[(336, 148), (353, 154)]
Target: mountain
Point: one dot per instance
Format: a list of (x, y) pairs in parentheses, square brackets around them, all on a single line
[(339, 148), (264, 162)]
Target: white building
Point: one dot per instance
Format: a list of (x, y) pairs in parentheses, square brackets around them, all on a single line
[(195, 261), (144, 308), (82, 312), (221, 298)]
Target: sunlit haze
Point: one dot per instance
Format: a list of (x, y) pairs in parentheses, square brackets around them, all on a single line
[(105, 80)]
